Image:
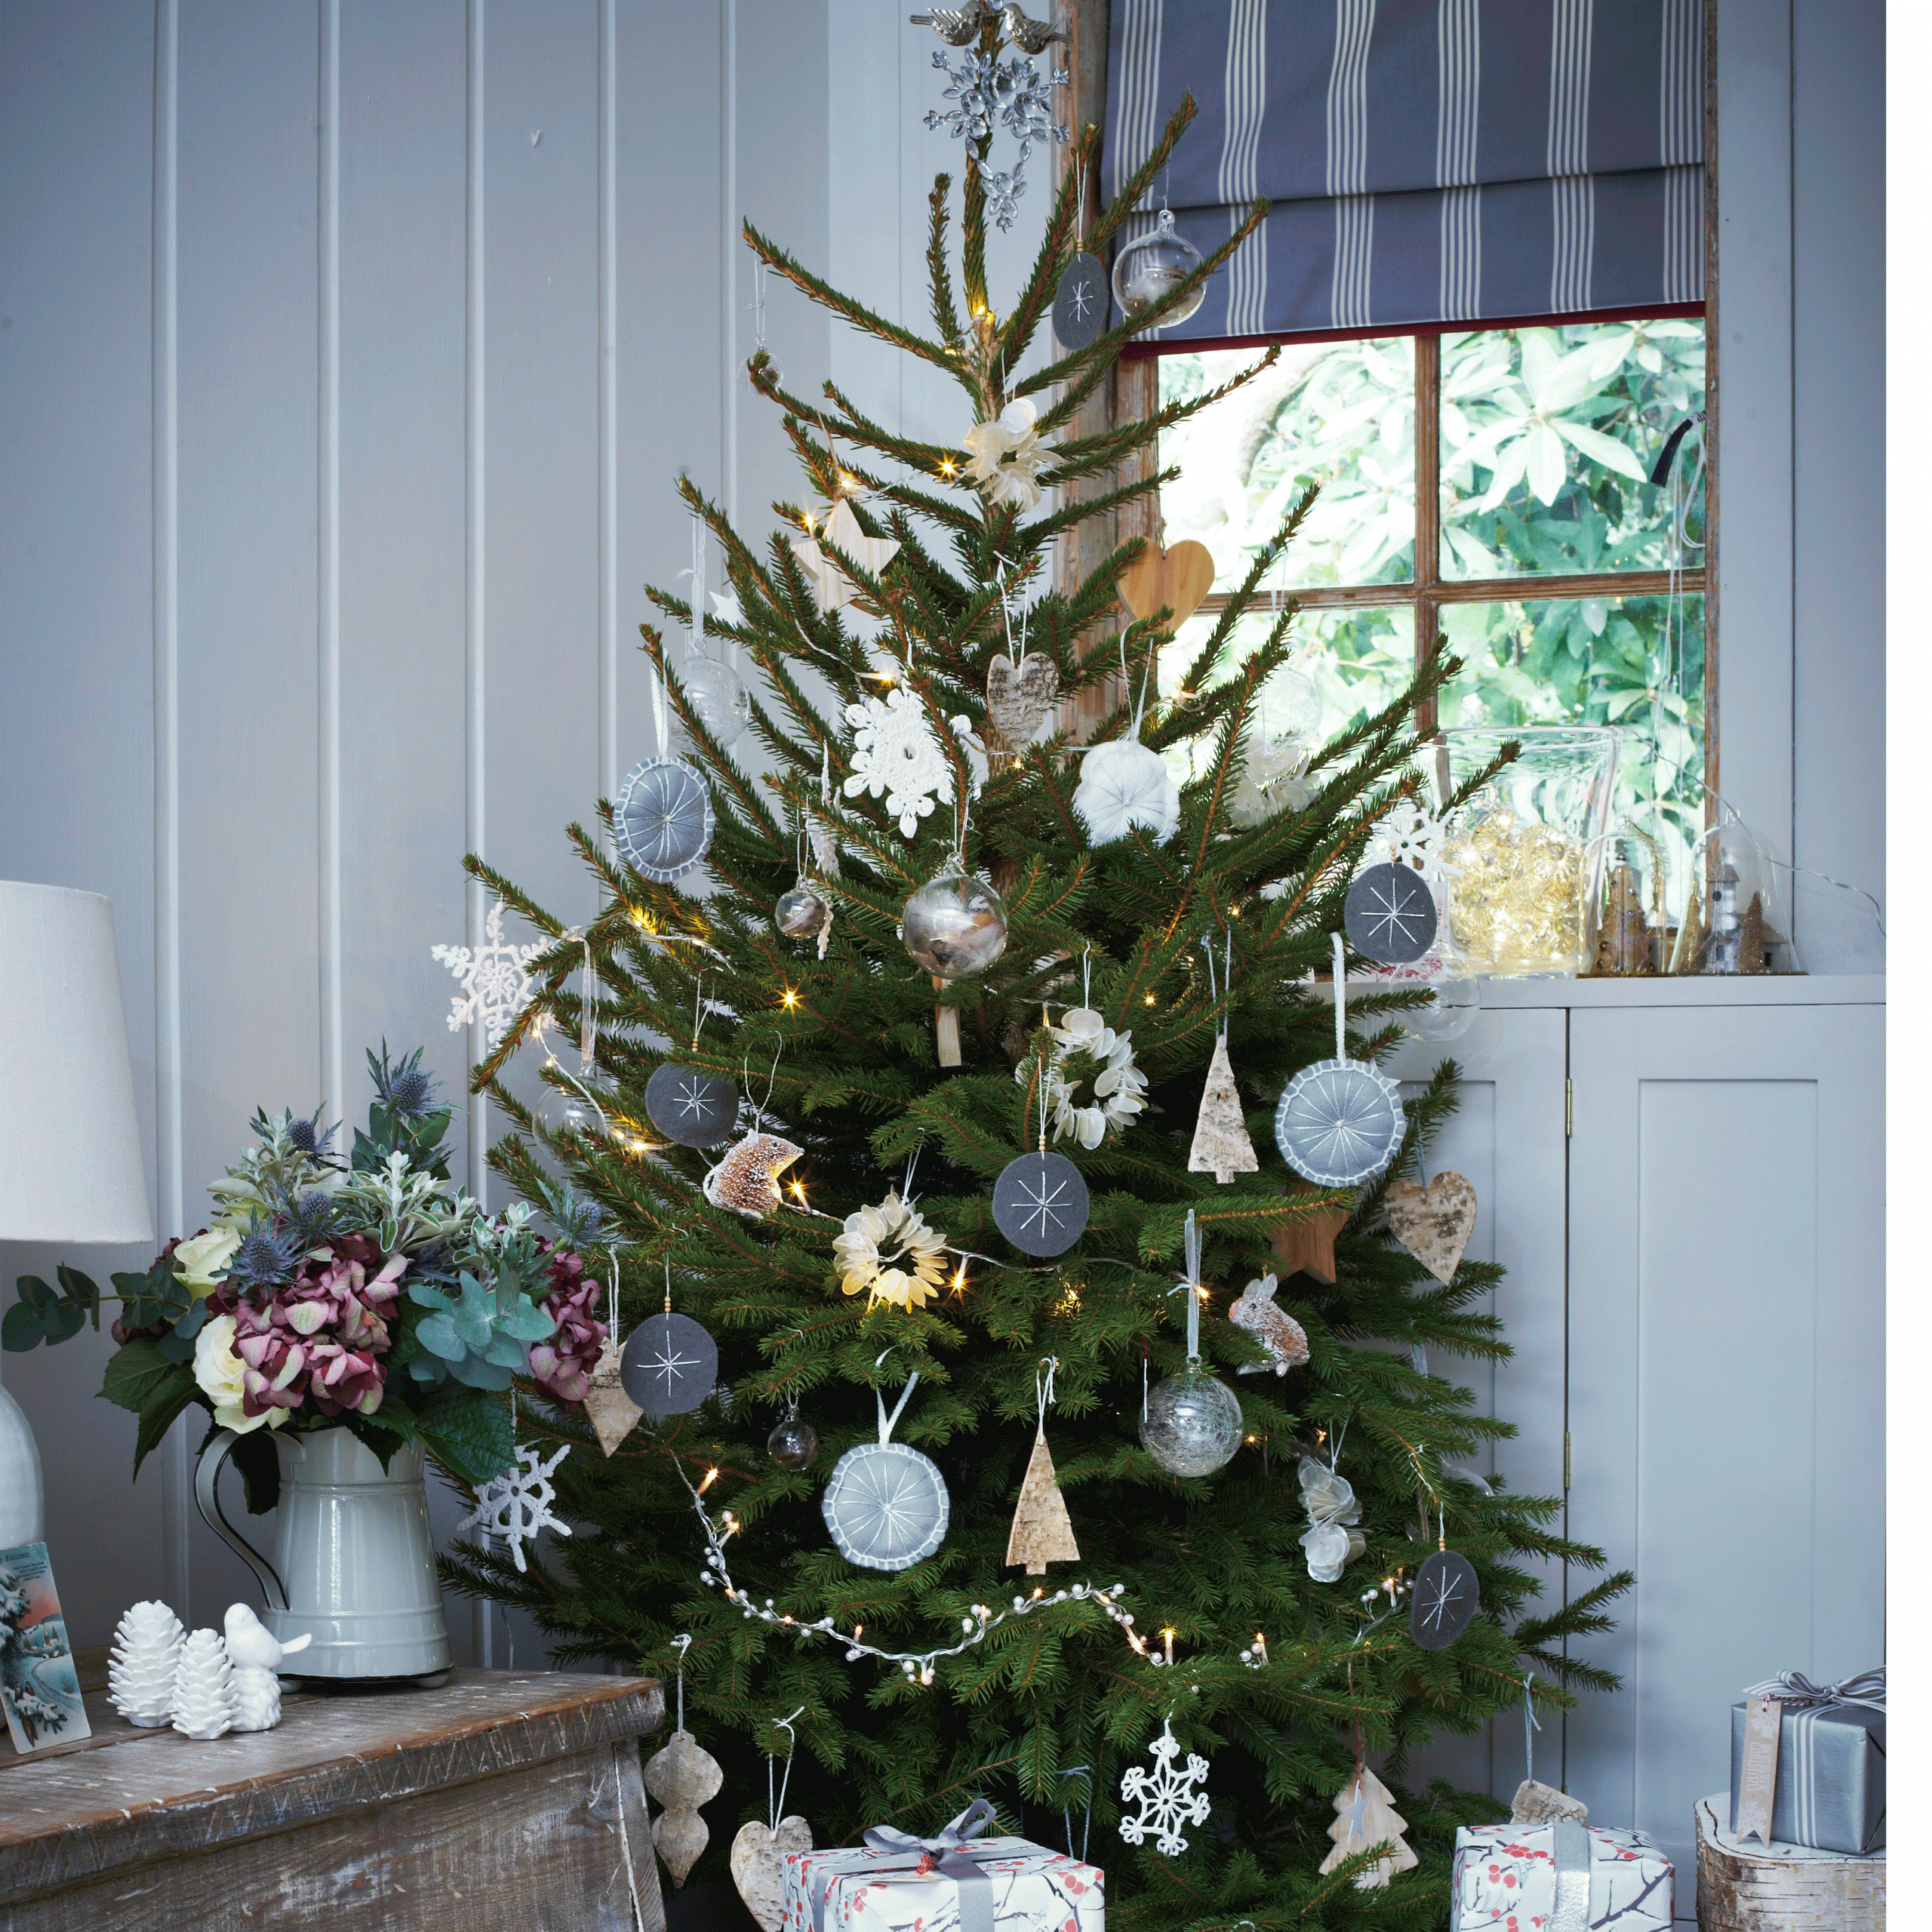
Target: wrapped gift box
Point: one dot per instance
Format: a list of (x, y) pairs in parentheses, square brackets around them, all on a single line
[(1562, 1877), (1027, 1887), (1830, 1794)]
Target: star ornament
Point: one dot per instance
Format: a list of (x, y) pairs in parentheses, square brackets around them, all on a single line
[(831, 589), (1390, 914), (1339, 1122), (1040, 1203)]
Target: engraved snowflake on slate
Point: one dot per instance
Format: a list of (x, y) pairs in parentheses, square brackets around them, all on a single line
[(494, 976), (1166, 1796)]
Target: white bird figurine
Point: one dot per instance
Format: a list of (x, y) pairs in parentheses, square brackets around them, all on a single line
[(254, 1654)]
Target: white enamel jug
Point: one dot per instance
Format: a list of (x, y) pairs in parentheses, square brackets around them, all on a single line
[(353, 1568)]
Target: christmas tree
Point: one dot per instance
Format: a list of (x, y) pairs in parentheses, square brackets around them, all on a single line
[(855, 1246)]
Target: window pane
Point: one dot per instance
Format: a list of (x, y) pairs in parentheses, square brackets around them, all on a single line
[(1342, 414), (1628, 661), (1359, 661), (1549, 438)]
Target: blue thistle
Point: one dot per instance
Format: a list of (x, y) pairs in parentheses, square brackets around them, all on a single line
[(310, 1137), (404, 1088), (265, 1259)]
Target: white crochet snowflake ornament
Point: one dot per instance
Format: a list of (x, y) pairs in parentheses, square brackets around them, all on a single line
[(514, 1507), (897, 756), (495, 978), (1166, 1796), (1408, 836)]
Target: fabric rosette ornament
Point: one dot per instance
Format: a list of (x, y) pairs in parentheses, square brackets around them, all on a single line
[(1094, 1088), (1007, 456), (890, 1250)]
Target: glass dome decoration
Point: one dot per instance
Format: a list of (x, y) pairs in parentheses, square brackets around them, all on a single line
[(1634, 935), (1738, 918)]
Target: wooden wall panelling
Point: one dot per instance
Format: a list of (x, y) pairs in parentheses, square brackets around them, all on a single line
[(1726, 1391)]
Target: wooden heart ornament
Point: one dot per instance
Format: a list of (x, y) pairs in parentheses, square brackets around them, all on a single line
[(1020, 696), (1433, 1223), (1177, 580), (758, 1866)]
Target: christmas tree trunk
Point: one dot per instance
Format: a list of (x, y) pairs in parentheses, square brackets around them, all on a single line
[(899, 585)]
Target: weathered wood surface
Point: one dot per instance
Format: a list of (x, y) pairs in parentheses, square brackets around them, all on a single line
[(1789, 1888), (518, 1793)]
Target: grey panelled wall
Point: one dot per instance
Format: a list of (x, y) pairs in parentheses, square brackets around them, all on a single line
[(349, 352)]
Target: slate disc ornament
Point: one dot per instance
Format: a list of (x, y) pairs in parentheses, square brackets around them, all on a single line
[(886, 1505), (670, 1366), (692, 1107), (1444, 1599), (1340, 1121), (1389, 914), (1040, 1203), (664, 819), (1080, 303)]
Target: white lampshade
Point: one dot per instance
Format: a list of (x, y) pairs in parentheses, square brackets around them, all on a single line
[(70, 1144)]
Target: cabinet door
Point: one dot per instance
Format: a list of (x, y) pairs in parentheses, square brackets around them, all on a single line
[(1727, 1395), (1507, 1137)]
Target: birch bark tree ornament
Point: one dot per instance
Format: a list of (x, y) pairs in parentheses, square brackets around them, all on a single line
[(1042, 1531), (1366, 1816), (140, 1667), (1536, 1803), (759, 1852), (1191, 1423), (1340, 1121), (682, 1776), (886, 1505), (1221, 1146)]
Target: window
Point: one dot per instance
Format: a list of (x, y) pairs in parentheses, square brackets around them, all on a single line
[(1494, 483)]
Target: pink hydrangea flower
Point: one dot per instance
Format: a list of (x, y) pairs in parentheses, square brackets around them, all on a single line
[(342, 1379), (562, 1366)]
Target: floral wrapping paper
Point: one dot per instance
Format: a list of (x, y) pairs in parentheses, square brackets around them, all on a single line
[(1034, 1890), (1505, 1881)]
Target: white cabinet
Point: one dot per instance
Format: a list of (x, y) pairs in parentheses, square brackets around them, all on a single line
[(1696, 1300)]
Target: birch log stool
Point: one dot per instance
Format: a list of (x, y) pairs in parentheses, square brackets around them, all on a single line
[(505, 1799), (1787, 1888)]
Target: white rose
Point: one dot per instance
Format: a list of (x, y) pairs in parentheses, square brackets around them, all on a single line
[(201, 1263), (218, 1373)]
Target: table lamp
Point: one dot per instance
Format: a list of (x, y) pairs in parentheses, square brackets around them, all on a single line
[(70, 1144)]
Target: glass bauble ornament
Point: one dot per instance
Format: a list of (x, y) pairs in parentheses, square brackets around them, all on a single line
[(1191, 1425), (717, 695), (800, 913), (1145, 270), (793, 1441), (954, 925)]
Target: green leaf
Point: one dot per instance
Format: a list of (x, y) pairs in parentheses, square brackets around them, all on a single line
[(140, 1377), (81, 1291), (21, 1328), (470, 1433), (157, 1418)]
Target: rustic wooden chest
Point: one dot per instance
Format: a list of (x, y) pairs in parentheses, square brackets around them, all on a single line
[(505, 1801)]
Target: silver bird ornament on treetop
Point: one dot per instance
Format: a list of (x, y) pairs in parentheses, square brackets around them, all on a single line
[(956, 25), (1030, 36)]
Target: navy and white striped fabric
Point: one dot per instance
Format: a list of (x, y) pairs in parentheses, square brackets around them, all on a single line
[(1428, 160)]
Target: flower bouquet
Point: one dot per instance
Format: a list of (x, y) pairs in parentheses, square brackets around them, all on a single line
[(353, 1290)]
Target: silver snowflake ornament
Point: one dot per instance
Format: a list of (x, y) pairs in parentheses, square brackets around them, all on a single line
[(495, 978), (1166, 1796), (1339, 1122), (514, 1507)]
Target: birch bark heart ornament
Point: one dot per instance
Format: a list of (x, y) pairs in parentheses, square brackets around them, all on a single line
[(758, 1865), (1433, 1223), (1020, 696), (1177, 579)]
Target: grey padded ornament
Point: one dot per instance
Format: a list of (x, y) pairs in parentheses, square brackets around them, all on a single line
[(1040, 1203), (886, 1505), (1444, 1599), (664, 818), (1080, 303), (692, 1107), (1389, 914), (670, 1365), (1340, 1121)]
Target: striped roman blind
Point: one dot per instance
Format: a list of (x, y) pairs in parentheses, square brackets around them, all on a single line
[(1428, 160)]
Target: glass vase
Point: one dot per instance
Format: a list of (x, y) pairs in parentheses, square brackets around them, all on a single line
[(1524, 856)]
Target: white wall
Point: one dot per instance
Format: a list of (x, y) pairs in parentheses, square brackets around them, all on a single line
[(350, 349)]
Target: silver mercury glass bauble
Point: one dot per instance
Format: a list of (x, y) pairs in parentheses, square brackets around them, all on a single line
[(800, 912), (1192, 1423), (1147, 270), (792, 1443), (954, 925), (717, 695)]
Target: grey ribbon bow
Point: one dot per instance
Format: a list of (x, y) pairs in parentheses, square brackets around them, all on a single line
[(1794, 1691), (951, 1856), (1571, 1911)]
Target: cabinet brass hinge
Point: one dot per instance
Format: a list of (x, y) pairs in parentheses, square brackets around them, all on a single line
[(1569, 1107), (1566, 1459)]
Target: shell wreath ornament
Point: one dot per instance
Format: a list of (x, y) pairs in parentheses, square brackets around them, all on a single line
[(1118, 1088)]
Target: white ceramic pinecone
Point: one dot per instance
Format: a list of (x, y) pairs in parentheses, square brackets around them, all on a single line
[(140, 1667), (204, 1687), (258, 1698)]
